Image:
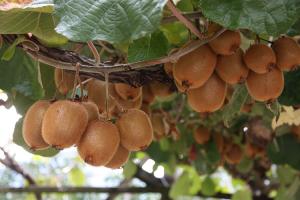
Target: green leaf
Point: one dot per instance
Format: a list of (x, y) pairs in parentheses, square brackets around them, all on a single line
[(18, 139), (295, 29), (286, 174), (115, 21), (76, 177), (245, 165), (291, 93), (10, 51), (208, 187), (235, 104), (242, 195), (150, 47), (20, 75), (280, 150), (176, 33), (270, 17), (129, 169), (35, 18), (213, 155)]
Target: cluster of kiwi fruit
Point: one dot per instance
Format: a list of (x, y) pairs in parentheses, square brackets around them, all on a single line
[(205, 73), (231, 153), (100, 141)]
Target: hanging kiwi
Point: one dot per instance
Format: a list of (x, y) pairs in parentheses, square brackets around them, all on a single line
[(168, 67), (119, 159), (201, 135), (99, 143), (64, 80), (260, 58), (227, 43), (97, 94), (64, 123), (127, 92), (265, 87), (161, 89), (32, 125), (159, 125), (194, 69), (287, 53), (135, 129), (219, 141), (234, 155), (232, 68), (92, 109), (125, 104), (148, 96), (210, 97)]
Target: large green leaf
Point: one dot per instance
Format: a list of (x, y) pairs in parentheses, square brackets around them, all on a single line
[(115, 21), (295, 29), (291, 93), (20, 75), (18, 139), (35, 18), (270, 17), (150, 47)]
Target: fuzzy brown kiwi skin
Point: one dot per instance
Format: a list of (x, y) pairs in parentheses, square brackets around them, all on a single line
[(32, 125), (64, 123), (201, 135), (92, 109), (148, 96), (127, 92), (227, 43), (232, 68), (64, 80), (136, 130), (161, 89), (119, 158), (210, 97), (234, 154), (265, 87), (168, 67), (287, 53), (99, 143), (194, 69), (96, 94), (260, 58), (125, 104)]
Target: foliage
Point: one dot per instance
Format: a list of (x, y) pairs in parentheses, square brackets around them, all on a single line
[(135, 32)]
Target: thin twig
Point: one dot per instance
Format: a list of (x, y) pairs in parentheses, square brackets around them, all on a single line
[(184, 20), (10, 163)]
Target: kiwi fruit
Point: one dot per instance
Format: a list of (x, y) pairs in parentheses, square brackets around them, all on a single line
[(296, 131), (126, 104), (227, 43), (64, 123), (287, 53), (194, 69), (179, 87), (201, 135), (135, 130), (232, 68), (146, 108), (168, 67), (32, 125), (127, 92), (148, 96), (99, 143), (209, 97), (159, 126), (64, 81), (260, 58), (161, 89), (92, 109), (97, 94), (119, 158), (234, 155), (265, 87)]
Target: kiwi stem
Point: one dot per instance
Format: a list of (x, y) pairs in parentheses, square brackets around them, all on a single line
[(94, 52), (75, 80), (184, 20), (106, 95)]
